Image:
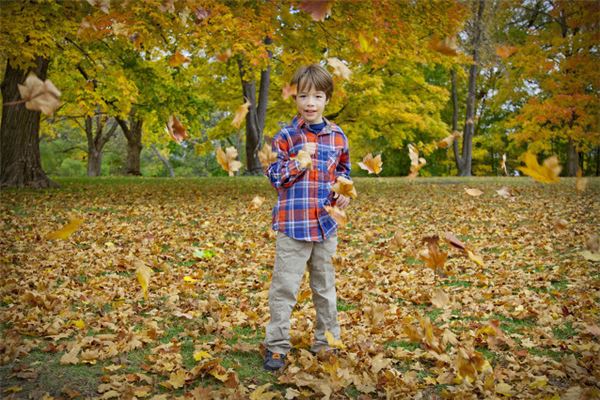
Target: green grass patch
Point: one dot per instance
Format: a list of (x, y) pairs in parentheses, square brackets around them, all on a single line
[(345, 306), (406, 345), (434, 313), (249, 366), (542, 352), (171, 332), (413, 261), (455, 283), (564, 333), (514, 325)]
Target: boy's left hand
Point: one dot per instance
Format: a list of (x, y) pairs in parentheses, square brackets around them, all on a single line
[(342, 201)]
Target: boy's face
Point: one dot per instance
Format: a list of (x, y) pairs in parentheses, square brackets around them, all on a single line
[(311, 104)]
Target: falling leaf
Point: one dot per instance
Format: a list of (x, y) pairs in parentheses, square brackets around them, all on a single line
[(267, 156), (473, 192), (580, 181), (338, 215), (448, 140), (439, 298), (288, 91), (546, 173), (339, 68), (67, 230), (446, 46), (201, 355), (224, 56), (433, 256), (345, 187), (227, 161), (416, 162), (505, 51), (503, 164), (39, 95), (143, 274), (333, 342), (371, 164), (240, 114), (506, 193), (176, 129), (257, 201), (454, 241), (318, 9), (304, 159), (178, 59)]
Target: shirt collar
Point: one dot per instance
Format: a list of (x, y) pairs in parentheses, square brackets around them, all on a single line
[(299, 122)]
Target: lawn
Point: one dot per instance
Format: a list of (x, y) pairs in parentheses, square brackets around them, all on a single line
[(75, 323)]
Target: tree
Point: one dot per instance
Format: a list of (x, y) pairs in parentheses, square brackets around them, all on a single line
[(30, 34), (97, 137)]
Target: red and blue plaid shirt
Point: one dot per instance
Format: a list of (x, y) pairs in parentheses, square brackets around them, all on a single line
[(302, 193)]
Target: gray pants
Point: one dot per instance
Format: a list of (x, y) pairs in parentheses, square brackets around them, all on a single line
[(291, 259)]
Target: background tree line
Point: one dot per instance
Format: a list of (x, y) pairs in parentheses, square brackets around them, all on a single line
[(502, 76)]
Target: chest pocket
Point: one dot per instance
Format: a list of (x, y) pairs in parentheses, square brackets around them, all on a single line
[(331, 158)]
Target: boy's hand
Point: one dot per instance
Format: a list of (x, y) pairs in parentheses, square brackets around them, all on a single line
[(342, 201), (310, 148)]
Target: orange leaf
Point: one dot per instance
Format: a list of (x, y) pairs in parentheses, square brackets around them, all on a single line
[(371, 164), (318, 9), (224, 55), (288, 91), (446, 46), (177, 59), (176, 129), (240, 114), (505, 51), (338, 215), (227, 161), (345, 187), (416, 162), (267, 156), (546, 173)]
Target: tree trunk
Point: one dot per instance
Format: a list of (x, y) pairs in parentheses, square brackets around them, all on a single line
[(164, 160), (255, 119), (457, 158), (133, 134), (572, 159), (464, 168), (96, 141), (20, 161)]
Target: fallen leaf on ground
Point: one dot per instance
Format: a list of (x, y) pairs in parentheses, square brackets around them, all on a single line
[(67, 230)]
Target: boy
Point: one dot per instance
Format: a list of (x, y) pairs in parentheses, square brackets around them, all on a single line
[(311, 153)]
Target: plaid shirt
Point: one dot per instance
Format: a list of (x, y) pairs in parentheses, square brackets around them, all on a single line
[(302, 194)]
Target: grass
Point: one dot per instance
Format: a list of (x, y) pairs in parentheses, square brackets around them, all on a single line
[(564, 333), (403, 344), (345, 306)]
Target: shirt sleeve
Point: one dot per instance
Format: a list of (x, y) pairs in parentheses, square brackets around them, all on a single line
[(284, 172), (343, 166)]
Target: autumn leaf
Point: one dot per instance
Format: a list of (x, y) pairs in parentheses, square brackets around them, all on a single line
[(339, 68), (433, 256), (371, 164), (506, 193), (416, 162), (257, 201), (473, 192), (448, 140), (71, 356), (439, 298), (446, 46), (503, 164), (304, 159), (201, 355), (580, 181), (176, 380), (39, 95), (240, 114), (546, 173), (262, 393), (67, 230), (143, 274), (176, 129), (338, 215), (505, 51), (504, 389), (267, 156), (288, 91), (224, 56), (227, 161), (333, 342), (318, 9), (345, 187), (475, 258), (203, 254), (177, 59)]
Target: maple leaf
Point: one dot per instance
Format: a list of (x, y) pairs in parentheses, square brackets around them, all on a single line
[(143, 274), (505, 51), (225, 55), (176, 380), (288, 91), (546, 173), (201, 355), (371, 164), (416, 162), (304, 159), (473, 192), (345, 187), (439, 298), (176, 129), (257, 201), (580, 181), (339, 68), (177, 59), (39, 95), (338, 215), (433, 257), (333, 342), (67, 230), (227, 161), (267, 156), (240, 114), (446, 46), (503, 164), (448, 140), (318, 9)]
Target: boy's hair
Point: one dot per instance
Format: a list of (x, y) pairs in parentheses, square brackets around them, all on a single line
[(309, 76)]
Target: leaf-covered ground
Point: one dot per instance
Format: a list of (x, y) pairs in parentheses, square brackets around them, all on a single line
[(74, 322)]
